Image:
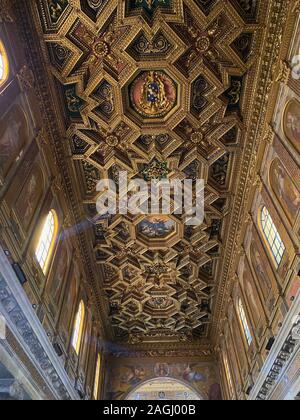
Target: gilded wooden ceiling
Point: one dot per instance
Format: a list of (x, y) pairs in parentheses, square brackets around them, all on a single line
[(159, 276)]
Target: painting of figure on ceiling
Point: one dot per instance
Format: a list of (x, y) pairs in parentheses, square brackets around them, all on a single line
[(157, 227), (30, 196), (13, 137), (291, 123), (285, 190)]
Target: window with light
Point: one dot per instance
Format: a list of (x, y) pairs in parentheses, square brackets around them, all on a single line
[(228, 376), (244, 322), (4, 65), (78, 328), (97, 377), (272, 236), (46, 242)]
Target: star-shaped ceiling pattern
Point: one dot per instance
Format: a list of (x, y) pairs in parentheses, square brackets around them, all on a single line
[(158, 275)]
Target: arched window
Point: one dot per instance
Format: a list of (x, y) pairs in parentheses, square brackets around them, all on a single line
[(78, 328), (244, 322), (272, 236), (4, 65), (97, 377), (228, 376), (47, 239)]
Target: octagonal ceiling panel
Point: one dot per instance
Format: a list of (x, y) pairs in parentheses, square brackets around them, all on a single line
[(160, 89)]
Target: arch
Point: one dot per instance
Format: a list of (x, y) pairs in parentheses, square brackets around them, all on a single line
[(4, 65), (47, 239), (78, 327), (182, 387), (271, 236)]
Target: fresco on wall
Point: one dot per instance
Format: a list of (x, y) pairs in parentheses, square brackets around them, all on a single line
[(291, 123), (233, 360), (30, 196), (162, 369), (55, 284), (202, 377), (293, 290), (63, 264), (264, 273), (251, 295), (13, 137), (235, 328), (86, 343), (23, 172), (91, 362), (70, 302), (285, 190)]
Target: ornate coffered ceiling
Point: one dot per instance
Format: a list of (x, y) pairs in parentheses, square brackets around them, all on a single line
[(161, 89)]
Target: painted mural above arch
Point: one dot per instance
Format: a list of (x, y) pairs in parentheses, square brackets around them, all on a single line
[(127, 375)]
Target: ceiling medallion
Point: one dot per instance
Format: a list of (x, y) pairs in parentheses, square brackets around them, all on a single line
[(153, 94), (156, 171), (100, 49), (112, 141), (202, 44), (197, 137)]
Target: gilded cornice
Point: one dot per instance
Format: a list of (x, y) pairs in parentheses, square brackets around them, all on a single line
[(277, 15)]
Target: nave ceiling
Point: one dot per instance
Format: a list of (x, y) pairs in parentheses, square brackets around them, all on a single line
[(157, 279)]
